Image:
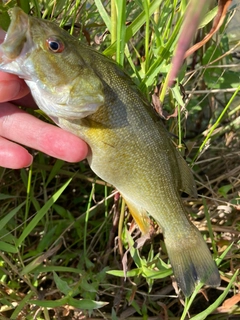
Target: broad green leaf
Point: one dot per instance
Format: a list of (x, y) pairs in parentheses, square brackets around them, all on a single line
[(225, 189), (61, 284)]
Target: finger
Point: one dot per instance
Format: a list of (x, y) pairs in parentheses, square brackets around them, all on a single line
[(26, 101), (11, 87), (23, 128), (13, 156)]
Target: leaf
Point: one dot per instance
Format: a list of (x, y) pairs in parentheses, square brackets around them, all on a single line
[(25, 5), (39, 260), (10, 215), (40, 214), (6, 196), (224, 190), (49, 303), (86, 304), (7, 247), (55, 170), (212, 307), (120, 273), (103, 13), (86, 286), (61, 284), (4, 16), (134, 26), (57, 269), (21, 305), (156, 274), (209, 16)]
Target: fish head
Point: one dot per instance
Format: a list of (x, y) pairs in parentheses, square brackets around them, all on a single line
[(49, 59)]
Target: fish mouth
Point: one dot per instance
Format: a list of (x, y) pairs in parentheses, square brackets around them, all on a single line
[(16, 35)]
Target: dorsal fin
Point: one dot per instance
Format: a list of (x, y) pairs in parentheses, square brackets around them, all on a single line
[(187, 183)]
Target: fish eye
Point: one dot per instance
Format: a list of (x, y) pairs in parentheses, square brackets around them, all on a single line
[(55, 45)]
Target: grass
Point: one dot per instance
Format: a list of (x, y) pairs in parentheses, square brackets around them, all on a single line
[(60, 252)]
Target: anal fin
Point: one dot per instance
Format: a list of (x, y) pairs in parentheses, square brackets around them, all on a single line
[(140, 216)]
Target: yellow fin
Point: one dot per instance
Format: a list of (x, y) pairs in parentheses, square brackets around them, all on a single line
[(140, 216)]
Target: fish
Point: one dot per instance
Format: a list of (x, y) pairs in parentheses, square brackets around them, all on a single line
[(90, 95)]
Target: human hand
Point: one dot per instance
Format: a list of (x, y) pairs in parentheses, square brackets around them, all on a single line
[(18, 127)]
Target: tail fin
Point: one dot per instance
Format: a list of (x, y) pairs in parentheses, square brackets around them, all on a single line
[(192, 261)]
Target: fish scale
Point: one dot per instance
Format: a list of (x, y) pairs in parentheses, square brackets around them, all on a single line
[(89, 95)]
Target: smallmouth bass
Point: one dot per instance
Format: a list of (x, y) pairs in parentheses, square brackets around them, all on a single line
[(89, 95)]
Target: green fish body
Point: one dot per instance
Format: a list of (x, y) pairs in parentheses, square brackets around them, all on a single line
[(89, 95)]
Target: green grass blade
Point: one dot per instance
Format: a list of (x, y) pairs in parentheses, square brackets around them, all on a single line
[(6, 196), (50, 303), (4, 246), (212, 307), (215, 125), (21, 305), (146, 4), (121, 30), (114, 18), (223, 255), (28, 198), (134, 26), (10, 215), (86, 220), (46, 269), (86, 304), (210, 227), (203, 315), (103, 13), (41, 213), (55, 170)]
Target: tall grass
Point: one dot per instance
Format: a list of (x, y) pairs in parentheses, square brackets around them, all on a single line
[(58, 224)]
